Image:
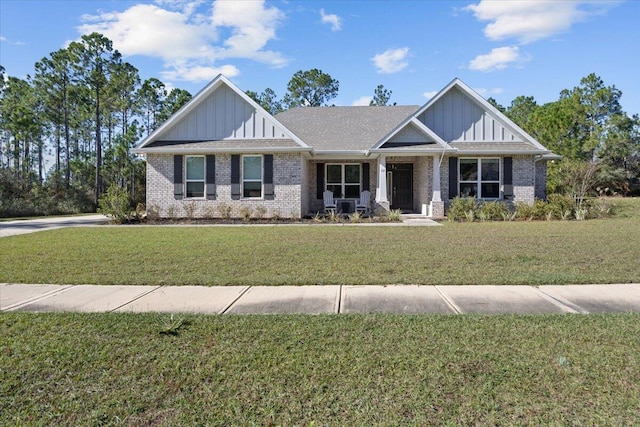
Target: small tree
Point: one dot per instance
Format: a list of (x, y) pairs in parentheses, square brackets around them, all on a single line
[(381, 96), (115, 203)]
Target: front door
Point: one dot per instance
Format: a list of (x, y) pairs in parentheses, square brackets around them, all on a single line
[(401, 186)]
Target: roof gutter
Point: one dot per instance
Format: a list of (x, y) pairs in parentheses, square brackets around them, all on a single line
[(203, 150)]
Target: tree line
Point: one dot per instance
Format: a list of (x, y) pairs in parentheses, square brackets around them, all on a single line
[(598, 141), (85, 108)]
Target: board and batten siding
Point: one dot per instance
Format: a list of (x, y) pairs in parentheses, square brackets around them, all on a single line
[(224, 115), (457, 118), (409, 134)]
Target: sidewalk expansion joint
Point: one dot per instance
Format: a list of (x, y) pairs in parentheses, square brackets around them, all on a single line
[(452, 305), (561, 302), (38, 298), (137, 298), (228, 307), (338, 303)]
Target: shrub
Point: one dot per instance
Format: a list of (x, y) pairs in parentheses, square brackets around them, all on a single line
[(560, 206), (492, 211), (524, 211), (462, 208), (245, 213), (115, 204), (224, 210), (355, 217), (260, 211), (395, 215), (190, 210)]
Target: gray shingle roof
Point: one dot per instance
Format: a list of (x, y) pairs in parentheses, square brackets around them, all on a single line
[(344, 128), (228, 144)]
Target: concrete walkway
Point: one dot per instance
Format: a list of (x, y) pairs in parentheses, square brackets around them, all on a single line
[(405, 299), (23, 226)]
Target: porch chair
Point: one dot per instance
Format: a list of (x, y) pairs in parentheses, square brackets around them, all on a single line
[(362, 205), (329, 204)]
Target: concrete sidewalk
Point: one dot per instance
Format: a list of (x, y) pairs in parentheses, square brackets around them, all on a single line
[(403, 299)]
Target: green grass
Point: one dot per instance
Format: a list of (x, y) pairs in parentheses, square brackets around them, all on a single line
[(535, 253), (118, 369)]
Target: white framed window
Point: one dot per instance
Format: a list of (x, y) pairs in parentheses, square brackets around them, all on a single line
[(194, 171), (344, 180), (479, 178), (252, 176)]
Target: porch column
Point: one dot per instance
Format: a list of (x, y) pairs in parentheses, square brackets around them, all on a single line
[(381, 189), (436, 207)]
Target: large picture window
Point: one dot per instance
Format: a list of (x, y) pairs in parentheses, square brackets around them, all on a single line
[(195, 176), (252, 176), (344, 180), (480, 178)]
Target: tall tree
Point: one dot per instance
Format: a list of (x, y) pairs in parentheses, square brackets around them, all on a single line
[(267, 100), (96, 61), (172, 103), (381, 96), (151, 98), (53, 80), (311, 88)]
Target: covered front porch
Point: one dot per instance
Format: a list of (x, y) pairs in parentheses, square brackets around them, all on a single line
[(410, 184)]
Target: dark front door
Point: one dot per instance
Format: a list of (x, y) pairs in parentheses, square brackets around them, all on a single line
[(402, 186)]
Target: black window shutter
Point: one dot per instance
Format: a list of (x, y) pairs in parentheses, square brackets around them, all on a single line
[(235, 177), (507, 178), (268, 177), (320, 180), (453, 177), (178, 188), (365, 177), (211, 177)]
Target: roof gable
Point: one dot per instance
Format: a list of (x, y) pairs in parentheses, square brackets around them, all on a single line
[(220, 111), (459, 115)]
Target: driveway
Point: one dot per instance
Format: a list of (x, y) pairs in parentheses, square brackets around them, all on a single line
[(24, 226)]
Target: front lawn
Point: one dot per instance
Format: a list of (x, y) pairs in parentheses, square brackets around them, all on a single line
[(119, 369), (520, 253)]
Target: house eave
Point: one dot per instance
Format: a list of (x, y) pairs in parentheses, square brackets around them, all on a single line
[(500, 152), (411, 152), (240, 150)]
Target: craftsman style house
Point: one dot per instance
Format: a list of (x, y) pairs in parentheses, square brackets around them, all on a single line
[(222, 151)]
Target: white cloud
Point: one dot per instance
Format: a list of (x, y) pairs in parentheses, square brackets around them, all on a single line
[(190, 43), (331, 19), (2, 38), (488, 92), (391, 60), (362, 101), (498, 59), (528, 21), (430, 94), (199, 73)]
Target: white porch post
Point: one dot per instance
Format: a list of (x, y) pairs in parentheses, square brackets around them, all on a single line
[(436, 207), (381, 190), (437, 197)]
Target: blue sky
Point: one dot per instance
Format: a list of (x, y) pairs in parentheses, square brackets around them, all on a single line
[(414, 48)]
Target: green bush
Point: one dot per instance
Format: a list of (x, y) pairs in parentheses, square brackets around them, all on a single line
[(462, 208), (115, 203), (560, 206), (492, 211)]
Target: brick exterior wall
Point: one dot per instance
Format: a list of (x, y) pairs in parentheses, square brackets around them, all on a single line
[(541, 180), (287, 180), (524, 177)]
